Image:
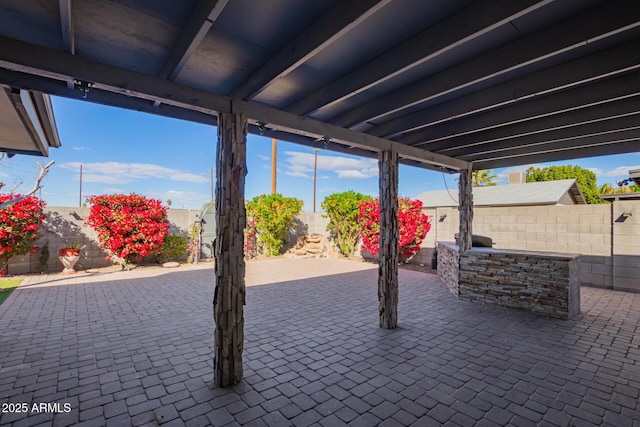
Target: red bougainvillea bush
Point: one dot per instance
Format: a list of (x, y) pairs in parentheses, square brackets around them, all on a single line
[(129, 226), (413, 226), (19, 224)]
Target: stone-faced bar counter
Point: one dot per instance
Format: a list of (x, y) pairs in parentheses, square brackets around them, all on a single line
[(540, 282)]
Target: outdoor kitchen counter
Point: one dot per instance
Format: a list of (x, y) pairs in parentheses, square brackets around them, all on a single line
[(540, 282)]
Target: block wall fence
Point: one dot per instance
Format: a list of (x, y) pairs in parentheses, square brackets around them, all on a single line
[(608, 236), (65, 225)]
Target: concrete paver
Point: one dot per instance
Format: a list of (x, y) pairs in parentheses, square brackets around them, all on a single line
[(135, 348)]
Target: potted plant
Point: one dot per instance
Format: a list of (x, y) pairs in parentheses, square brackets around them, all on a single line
[(69, 256)]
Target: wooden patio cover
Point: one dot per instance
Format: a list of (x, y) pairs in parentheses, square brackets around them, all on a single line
[(452, 85)]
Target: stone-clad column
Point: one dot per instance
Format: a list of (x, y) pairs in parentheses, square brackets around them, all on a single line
[(465, 195), (229, 297), (388, 255)]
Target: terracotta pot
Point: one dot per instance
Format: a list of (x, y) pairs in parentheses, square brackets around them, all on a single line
[(69, 258), (69, 252)]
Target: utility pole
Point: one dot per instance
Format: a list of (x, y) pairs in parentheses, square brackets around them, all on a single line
[(274, 153), (315, 170), (80, 201)]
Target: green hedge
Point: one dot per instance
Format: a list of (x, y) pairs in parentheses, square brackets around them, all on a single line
[(173, 248)]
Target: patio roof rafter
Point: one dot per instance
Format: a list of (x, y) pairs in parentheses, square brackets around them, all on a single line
[(561, 39), (330, 27), (439, 136), (462, 27), (200, 20), (598, 66), (602, 118), (594, 149), (68, 35), (66, 24), (561, 140)]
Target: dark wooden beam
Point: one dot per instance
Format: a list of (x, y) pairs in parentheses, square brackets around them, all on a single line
[(345, 16), (470, 23), (572, 125), (601, 138), (444, 135), (562, 39), (66, 24), (388, 253), (68, 35), (43, 62), (203, 15), (229, 296), (282, 120), (580, 72), (576, 151), (97, 96)]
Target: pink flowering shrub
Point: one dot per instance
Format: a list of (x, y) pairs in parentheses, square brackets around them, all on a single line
[(413, 226), (19, 224), (129, 226)]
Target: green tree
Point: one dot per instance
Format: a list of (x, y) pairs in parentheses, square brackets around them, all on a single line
[(483, 178), (585, 178), (273, 215), (342, 211)]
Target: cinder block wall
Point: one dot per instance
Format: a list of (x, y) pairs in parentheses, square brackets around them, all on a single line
[(608, 240), (626, 245), (65, 225)]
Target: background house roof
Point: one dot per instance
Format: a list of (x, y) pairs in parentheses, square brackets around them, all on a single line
[(442, 82), (27, 123), (532, 193)]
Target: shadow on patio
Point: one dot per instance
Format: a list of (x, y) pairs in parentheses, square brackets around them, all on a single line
[(138, 351)]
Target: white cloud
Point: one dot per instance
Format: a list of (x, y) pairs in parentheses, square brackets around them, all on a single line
[(114, 190), (296, 174), (596, 171), (301, 165), (620, 171), (103, 179), (124, 173), (356, 174), (263, 157), (80, 148), (329, 190), (182, 199)]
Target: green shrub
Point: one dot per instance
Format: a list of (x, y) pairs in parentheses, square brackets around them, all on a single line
[(173, 247), (273, 215), (342, 211)]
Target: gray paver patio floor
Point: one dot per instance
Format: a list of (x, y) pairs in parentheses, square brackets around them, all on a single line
[(135, 348)]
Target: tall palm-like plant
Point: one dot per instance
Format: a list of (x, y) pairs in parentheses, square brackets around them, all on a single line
[(610, 189), (484, 178), (606, 189)]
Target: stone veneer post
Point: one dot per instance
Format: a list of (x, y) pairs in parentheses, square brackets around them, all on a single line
[(465, 195), (229, 297), (388, 255)]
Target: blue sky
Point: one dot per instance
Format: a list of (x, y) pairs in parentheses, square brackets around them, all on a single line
[(125, 151)]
